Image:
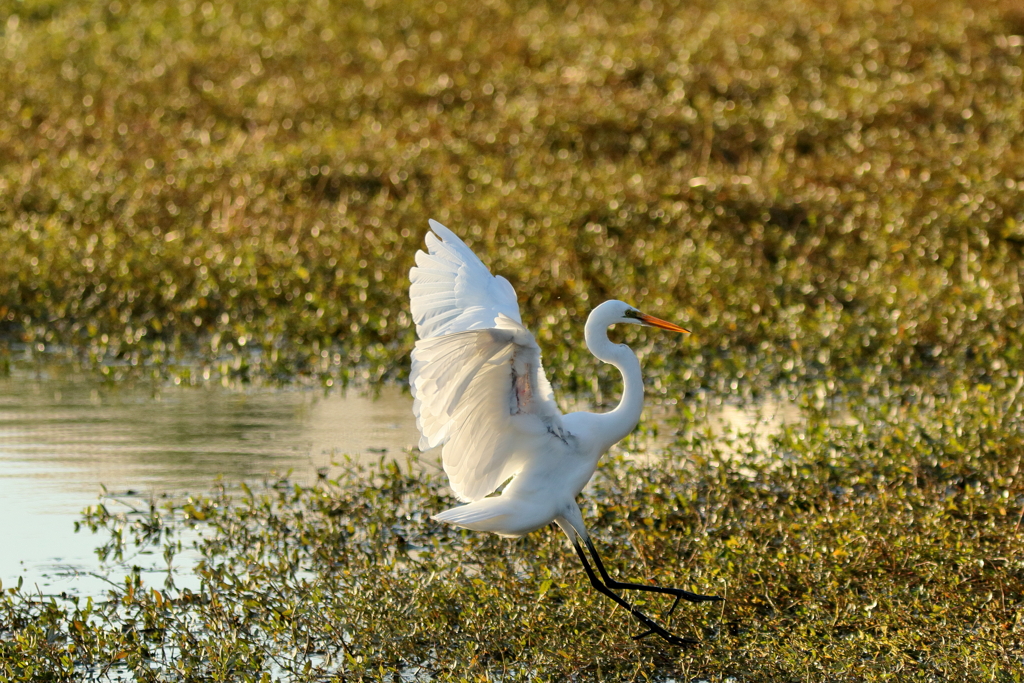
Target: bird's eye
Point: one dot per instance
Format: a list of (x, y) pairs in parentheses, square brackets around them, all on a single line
[(631, 313)]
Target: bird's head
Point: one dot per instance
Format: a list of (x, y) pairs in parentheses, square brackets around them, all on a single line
[(615, 312)]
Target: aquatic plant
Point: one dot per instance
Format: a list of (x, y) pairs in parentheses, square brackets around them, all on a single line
[(829, 194), (238, 187), (885, 544)]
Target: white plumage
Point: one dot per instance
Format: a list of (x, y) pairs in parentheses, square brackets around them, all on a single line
[(452, 290), (481, 393), (476, 377)]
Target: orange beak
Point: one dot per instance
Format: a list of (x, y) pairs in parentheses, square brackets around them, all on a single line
[(651, 321)]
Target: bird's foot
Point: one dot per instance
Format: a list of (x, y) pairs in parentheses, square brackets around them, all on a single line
[(670, 638), (664, 634), (690, 597), (679, 593), (654, 628)]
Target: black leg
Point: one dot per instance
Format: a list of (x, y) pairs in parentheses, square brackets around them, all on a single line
[(678, 592), (652, 626)]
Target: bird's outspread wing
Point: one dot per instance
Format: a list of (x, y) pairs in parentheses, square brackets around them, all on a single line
[(477, 378), (452, 290)]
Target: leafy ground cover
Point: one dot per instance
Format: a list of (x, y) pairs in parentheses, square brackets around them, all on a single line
[(883, 546), (807, 185), (829, 194)]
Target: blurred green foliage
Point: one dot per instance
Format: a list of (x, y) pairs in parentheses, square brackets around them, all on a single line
[(882, 546), (829, 193), (810, 186)]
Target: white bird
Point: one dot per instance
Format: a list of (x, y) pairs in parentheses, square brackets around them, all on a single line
[(480, 390)]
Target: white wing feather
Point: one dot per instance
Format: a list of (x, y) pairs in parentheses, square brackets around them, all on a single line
[(452, 290), (476, 377)]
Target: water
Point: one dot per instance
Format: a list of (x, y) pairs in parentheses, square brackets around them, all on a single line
[(63, 439), (66, 439)]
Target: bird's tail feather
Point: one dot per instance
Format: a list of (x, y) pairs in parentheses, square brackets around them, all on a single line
[(467, 514), (488, 514)]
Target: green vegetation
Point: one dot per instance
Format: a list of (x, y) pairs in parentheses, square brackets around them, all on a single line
[(830, 194), (813, 185), (884, 547)]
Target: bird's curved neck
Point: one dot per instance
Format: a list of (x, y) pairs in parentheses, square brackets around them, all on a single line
[(616, 424)]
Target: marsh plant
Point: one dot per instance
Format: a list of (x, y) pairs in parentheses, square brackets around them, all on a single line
[(810, 186), (885, 544), (829, 194)]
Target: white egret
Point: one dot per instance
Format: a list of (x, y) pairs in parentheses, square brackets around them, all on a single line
[(480, 390)]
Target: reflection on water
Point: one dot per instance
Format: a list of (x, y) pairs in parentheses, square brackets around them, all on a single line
[(62, 439)]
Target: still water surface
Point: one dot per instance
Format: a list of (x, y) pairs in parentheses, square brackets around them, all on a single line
[(63, 439)]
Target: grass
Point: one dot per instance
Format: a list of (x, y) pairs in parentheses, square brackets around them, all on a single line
[(829, 194), (885, 546), (809, 186)]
